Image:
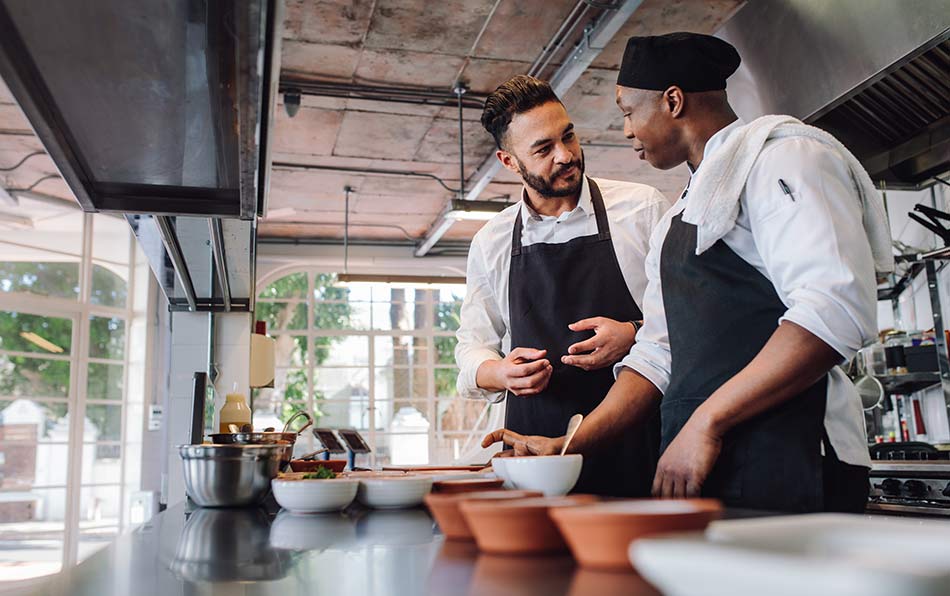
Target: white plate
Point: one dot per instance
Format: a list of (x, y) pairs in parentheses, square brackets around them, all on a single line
[(844, 555), (394, 492), (315, 496)]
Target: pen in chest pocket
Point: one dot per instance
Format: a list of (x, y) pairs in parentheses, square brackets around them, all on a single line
[(786, 189)]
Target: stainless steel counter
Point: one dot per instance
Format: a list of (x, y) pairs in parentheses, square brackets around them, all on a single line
[(255, 552)]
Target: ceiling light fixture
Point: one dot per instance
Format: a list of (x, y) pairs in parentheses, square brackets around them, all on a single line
[(396, 281), (473, 210), (292, 102), (13, 220), (8, 199), (41, 342)]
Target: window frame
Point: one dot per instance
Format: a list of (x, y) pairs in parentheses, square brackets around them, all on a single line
[(80, 311), (426, 330)]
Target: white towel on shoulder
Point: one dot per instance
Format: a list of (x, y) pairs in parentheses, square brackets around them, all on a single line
[(714, 192)]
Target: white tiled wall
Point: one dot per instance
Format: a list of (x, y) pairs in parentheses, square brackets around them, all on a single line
[(189, 354)]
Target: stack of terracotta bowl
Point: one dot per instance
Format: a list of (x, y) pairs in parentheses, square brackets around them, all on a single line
[(598, 533)]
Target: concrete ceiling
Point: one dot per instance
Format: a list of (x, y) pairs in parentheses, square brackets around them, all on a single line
[(432, 44), (409, 43)]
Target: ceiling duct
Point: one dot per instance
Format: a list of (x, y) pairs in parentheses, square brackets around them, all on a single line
[(878, 79)]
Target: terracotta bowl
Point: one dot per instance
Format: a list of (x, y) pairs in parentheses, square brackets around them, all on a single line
[(467, 485), (600, 534), (445, 508), (334, 465), (520, 526)]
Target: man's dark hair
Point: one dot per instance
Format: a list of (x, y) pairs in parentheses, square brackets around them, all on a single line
[(516, 95)]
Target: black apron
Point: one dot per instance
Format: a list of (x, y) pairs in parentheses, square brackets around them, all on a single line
[(720, 312), (549, 287)]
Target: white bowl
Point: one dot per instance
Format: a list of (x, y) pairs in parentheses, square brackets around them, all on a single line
[(315, 496), (394, 492), (498, 465), (395, 528), (292, 531), (553, 475)]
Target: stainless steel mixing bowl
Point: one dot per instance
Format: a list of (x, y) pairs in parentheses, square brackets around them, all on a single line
[(230, 475)]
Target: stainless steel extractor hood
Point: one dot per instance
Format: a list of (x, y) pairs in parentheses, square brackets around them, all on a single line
[(152, 106), (160, 110), (876, 75)]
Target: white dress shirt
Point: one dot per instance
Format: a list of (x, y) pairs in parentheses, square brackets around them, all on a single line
[(812, 246), (633, 210)]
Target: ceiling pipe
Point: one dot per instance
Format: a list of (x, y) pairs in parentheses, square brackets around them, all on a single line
[(595, 39)]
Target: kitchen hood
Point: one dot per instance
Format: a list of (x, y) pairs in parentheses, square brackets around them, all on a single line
[(149, 106), (877, 77), (160, 110)]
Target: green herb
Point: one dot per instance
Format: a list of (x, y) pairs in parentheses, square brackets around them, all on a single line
[(320, 474)]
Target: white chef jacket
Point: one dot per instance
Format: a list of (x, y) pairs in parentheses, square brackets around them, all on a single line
[(633, 210), (812, 247)]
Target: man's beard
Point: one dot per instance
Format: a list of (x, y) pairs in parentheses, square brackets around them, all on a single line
[(545, 187)]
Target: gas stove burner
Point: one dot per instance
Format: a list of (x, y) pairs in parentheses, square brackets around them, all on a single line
[(912, 487)]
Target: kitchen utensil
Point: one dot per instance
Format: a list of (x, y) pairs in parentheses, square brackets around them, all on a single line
[(288, 438), (553, 475), (294, 417), (315, 496), (871, 391), (229, 475), (395, 492), (312, 455), (599, 535), (445, 509), (520, 526), (572, 425)]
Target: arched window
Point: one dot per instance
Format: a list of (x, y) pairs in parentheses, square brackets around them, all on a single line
[(371, 356), (72, 344)]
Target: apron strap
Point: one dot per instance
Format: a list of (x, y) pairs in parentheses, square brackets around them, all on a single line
[(600, 212), (516, 234)]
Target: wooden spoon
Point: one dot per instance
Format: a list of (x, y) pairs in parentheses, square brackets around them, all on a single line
[(572, 425)]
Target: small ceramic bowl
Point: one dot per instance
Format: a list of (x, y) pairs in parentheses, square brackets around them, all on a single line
[(445, 509), (498, 465), (599, 535), (334, 465), (553, 475), (314, 496), (393, 492), (520, 526), (467, 485)]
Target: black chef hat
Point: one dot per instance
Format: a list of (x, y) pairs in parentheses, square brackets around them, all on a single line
[(691, 61)]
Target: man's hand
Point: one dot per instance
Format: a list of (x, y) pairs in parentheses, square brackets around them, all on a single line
[(522, 444), (611, 342), (524, 371), (687, 462)]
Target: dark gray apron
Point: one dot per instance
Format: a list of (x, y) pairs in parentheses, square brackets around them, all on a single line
[(720, 312), (549, 287)]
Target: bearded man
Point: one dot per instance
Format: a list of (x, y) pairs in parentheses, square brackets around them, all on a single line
[(554, 286)]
